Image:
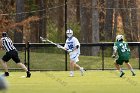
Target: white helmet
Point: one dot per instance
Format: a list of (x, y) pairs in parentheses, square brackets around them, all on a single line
[(119, 37), (69, 33)]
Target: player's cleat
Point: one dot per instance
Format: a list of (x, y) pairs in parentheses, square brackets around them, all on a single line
[(82, 71), (122, 73), (6, 74), (71, 73), (28, 74), (133, 74)]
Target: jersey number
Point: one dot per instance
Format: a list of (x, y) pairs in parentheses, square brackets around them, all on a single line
[(124, 47), (70, 46)]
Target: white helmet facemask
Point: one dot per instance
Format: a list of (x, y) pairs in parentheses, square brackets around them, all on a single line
[(69, 33), (119, 37)]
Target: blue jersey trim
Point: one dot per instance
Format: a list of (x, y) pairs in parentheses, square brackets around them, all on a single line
[(75, 56), (70, 38)]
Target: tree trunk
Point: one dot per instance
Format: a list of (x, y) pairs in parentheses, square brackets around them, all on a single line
[(34, 26), (42, 15), (60, 21), (125, 13), (108, 20), (138, 14), (78, 11), (18, 35), (115, 19), (95, 26), (101, 19), (134, 20), (86, 25)]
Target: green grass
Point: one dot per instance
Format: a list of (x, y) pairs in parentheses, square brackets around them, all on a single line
[(55, 61), (60, 82)]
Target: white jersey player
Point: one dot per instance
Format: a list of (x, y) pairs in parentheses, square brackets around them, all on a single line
[(72, 45)]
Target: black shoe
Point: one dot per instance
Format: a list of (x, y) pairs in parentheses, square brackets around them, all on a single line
[(133, 74), (28, 74), (6, 74), (85, 70), (122, 73)]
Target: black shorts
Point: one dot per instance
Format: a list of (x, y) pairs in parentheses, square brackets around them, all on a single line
[(120, 62), (11, 54)]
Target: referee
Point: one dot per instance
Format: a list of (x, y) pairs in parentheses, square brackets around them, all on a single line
[(11, 52)]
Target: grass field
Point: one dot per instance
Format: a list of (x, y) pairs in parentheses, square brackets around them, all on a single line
[(93, 81), (56, 61)]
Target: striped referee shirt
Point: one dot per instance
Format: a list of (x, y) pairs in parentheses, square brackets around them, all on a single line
[(7, 44)]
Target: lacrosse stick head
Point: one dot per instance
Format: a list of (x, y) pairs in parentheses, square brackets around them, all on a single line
[(42, 39)]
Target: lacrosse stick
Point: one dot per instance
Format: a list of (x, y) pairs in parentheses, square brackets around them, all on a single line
[(59, 46)]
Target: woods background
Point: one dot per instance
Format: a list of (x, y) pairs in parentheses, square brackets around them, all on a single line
[(92, 21)]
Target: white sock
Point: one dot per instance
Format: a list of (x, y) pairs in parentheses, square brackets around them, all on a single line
[(81, 68), (132, 70), (121, 70), (71, 72)]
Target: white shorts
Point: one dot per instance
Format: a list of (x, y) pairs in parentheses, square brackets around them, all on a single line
[(74, 57)]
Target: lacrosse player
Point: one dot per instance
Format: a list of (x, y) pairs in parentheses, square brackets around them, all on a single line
[(11, 52), (122, 54), (72, 45)]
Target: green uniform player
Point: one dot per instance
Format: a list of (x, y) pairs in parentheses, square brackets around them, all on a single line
[(122, 53)]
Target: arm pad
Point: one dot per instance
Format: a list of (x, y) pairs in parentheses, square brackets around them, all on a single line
[(77, 46)]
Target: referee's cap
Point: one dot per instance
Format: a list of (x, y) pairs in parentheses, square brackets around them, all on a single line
[(4, 34)]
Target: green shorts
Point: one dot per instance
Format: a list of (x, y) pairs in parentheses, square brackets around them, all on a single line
[(120, 62)]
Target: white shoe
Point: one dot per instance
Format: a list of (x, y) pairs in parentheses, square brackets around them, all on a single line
[(71, 74), (82, 71)]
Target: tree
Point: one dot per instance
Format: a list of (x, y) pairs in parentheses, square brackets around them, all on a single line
[(126, 19), (60, 20), (32, 6), (138, 14), (108, 20), (95, 26), (78, 11), (6, 7), (18, 34), (86, 25), (42, 15), (116, 14), (134, 20), (37, 29), (101, 11)]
